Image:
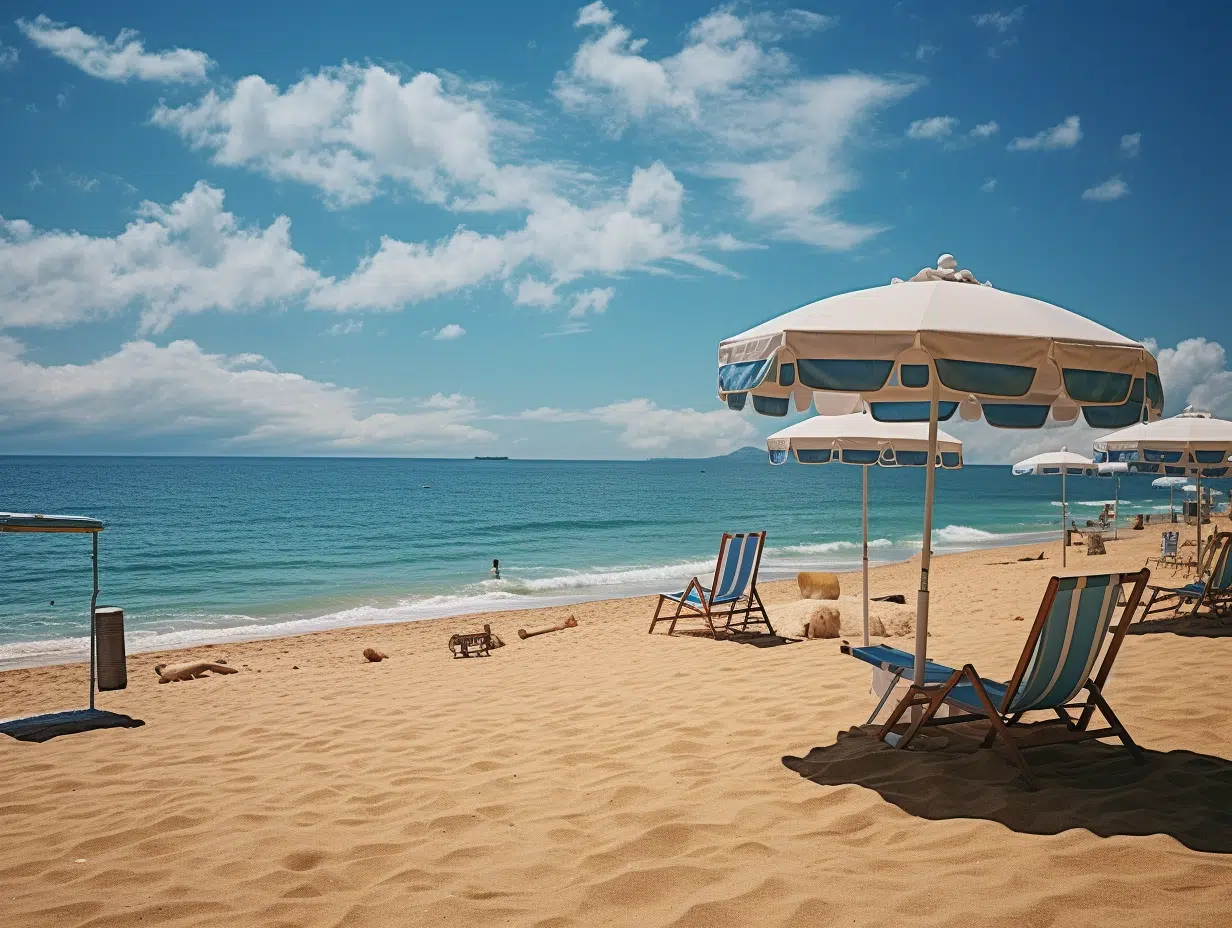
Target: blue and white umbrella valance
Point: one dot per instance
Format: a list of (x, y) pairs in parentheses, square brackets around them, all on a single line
[(1193, 443), (1011, 359), (858, 438)]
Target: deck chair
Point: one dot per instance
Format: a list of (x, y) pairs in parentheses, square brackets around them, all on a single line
[(1169, 551), (732, 596), (1212, 589), (1062, 648), (476, 644)]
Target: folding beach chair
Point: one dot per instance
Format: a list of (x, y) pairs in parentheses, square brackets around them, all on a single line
[(1061, 650), (731, 596), (476, 644), (1169, 551), (1212, 589)]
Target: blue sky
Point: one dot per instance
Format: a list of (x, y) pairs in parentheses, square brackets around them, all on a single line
[(482, 228)]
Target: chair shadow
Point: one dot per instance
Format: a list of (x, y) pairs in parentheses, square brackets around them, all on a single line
[(756, 639), (1187, 626), (1091, 785), (40, 728)]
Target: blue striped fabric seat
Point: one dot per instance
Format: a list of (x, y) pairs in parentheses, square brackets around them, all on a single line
[(733, 586)]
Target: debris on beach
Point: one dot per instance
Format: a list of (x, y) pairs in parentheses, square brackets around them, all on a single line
[(570, 622), (375, 656), (192, 670)]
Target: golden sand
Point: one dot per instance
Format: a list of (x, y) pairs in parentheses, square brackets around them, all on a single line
[(600, 776)]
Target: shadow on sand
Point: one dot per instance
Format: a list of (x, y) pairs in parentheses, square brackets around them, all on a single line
[(1092, 785), (41, 728), (1187, 626), (756, 639)]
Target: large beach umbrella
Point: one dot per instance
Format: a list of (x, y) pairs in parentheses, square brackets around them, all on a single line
[(940, 344), (1050, 464), (1190, 444), (858, 438), (1171, 483)]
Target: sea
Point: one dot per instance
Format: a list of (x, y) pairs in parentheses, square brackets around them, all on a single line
[(217, 549)]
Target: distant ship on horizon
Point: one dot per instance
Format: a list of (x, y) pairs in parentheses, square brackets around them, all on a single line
[(491, 457)]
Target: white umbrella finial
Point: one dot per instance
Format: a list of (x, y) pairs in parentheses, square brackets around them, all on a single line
[(947, 262)]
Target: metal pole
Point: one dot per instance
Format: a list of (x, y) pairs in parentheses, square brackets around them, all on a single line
[(926, 555), (1199, 520), (1064, 540), (864, 481), (1116, 504), (93, 604)]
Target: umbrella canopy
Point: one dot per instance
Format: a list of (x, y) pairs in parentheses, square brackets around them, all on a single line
[(1168, 482), (1193, 443), (858, 438), (1050, 464), (940, 343)]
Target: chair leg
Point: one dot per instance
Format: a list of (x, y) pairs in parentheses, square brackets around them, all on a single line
[(886, 695), (655, 618), (1115, 723), (933, 701), (999, 726)]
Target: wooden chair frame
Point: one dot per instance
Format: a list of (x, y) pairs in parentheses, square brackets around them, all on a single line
[(474, 644), (747, 606), (1016, 734), (1173, 599)]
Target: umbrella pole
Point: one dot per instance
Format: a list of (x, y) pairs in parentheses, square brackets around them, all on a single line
[(864, 480), (1116, 504), (1199, 520), (926, 555), (93, 603), (1064, 544)]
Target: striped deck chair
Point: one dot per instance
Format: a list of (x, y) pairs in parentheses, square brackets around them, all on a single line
[(1062, 649), (1212, 589), (731, 596), (1169, 551)]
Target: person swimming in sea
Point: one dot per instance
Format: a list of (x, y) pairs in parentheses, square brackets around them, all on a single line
[(495, 569)]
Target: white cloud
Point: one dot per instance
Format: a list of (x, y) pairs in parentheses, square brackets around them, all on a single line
[(999, 21), (989, 185), (8, 56), (1131, 144), (780, 139), (645, 426), (449, 332), (594, 14), (534, 292), (120, 60), (935, 128), (346, 327), (239, 403), (1064, 135), (924, 51), (985, 130), (188, 257), (1112, 189), (591, 301)]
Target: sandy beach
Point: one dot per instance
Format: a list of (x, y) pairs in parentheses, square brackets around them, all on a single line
[(601, 776)]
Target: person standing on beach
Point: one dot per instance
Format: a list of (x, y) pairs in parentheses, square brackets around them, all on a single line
[(495, 569)]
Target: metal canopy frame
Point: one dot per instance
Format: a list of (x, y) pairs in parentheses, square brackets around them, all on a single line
[(69, 525)]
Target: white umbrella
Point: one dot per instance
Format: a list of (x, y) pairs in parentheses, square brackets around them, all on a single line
[(1051, 463), (1114, 470), (1193, 444), (1171, 483), (921, 350), (858, 438)]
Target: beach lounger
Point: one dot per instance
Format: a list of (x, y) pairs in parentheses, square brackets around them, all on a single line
[(477, 644), (732, 595), (1062, 648), (1169, 551), (1212, 589)]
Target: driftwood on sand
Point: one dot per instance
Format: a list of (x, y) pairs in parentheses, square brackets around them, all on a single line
[(570, 622), (175, 673), (375, 656)]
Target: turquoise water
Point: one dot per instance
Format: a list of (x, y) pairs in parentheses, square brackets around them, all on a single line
[(214, 549)]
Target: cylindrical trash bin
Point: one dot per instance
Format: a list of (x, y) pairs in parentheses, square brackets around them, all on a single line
[(109, 632)]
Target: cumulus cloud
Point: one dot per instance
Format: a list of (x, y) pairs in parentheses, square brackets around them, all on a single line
[(781, 140), (1131, 144), (935, 128), (449, 332), (1112, 189), (146, 392), (591, 301), (8, 56), (346, 327), (985, 130), (1066, 134), (531, 291), (120, 60), (998, 20), (188, 257)]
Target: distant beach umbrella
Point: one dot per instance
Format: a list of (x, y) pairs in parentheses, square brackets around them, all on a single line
[(858, 438), (1191, 444), (940, 344), (1171, 483), (1057, 463)]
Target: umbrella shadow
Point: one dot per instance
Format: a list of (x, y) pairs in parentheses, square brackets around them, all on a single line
[(40, 728), (1091, 785), (756, 639), (1187, 626)]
